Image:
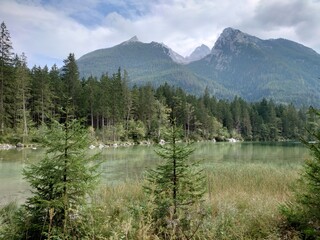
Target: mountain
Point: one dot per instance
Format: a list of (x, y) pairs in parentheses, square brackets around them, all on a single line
[(153, 63), (238, 64), (253, 68), (199, 53)]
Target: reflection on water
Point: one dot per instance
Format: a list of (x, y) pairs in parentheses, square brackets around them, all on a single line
[(13, 186), (125, 164)]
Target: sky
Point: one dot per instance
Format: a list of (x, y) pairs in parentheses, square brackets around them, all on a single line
[(48, 30)]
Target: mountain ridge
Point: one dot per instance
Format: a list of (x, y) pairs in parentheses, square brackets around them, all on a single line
[(238, 64)]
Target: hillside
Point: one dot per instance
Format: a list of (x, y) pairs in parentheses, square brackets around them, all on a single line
[(253, 68), (146, 63), (238, 64)]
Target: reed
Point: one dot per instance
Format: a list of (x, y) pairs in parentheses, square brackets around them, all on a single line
[(242, 202)]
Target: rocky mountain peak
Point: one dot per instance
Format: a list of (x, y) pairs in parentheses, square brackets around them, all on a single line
[(199, 53), (134, 39), (131, 40), (230, 36)]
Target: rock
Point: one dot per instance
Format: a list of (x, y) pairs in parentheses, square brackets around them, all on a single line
[(101, 146), (19, 145), (232, 140), (92, 147), (6, 146)]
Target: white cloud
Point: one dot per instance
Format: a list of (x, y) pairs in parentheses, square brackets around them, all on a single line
[(53, 30), (293, 19)]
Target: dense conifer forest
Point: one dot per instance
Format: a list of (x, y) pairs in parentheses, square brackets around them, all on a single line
[(30, 98)]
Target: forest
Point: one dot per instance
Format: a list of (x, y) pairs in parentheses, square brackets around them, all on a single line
[(117, 111)]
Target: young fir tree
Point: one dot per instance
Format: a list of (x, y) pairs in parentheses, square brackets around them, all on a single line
[(176, 188), (60, 183), (303, 213)]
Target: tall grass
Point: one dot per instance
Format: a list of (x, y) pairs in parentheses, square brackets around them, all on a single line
[(242, 202)]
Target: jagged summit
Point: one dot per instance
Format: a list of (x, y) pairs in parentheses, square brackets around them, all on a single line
[(239, 64), (131, 40), (230, 36), (198, 53)]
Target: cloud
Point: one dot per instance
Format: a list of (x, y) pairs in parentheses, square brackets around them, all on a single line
[(44, 31), (184, 25), (52, 29), (294, 19)]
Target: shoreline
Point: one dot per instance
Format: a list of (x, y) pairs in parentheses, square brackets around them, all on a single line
[(7, 146)]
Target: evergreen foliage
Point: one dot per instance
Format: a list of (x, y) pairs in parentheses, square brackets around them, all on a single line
[(119, 113), (21, 115), (6, 75), (42, 104), (238, 65), (60, 183), (303, 213), (176, 188), (71, 83)]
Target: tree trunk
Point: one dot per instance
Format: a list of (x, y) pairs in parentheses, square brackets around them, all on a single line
[(42, 107), (25, 126), (65, 200), (1, 101), (175, 179), (91, 110)]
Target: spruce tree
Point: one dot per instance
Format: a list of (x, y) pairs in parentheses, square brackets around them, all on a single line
[(21, 115), (42, 95), (303, 213), (60, 183), (71, 82), (176, 189), (6, 66)]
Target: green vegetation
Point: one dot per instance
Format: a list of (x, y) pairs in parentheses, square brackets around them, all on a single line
[(175, 189), (303, 212), (30, 98), (253, 69), (240, 201), (61, 183), (146, 63), (250, 68)]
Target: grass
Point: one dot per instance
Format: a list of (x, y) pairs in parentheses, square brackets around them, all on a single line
[(245, 200), (242, 202)]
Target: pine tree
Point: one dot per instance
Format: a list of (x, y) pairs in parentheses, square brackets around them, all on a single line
[(57, 86), (127, 99), (71, 81), (6, 64), (60, 183), (176, 189), (22, 96), (91, 88), (303, 213), (42, 95), (145, 108)]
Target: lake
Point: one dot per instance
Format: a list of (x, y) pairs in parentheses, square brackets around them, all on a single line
[(125, 164)]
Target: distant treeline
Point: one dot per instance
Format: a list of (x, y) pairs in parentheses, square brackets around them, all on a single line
[(31, 97)]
